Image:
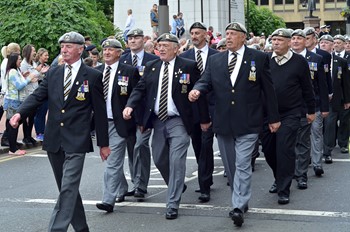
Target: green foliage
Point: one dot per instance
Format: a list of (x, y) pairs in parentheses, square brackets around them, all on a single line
[(42, 22), (261, 19)]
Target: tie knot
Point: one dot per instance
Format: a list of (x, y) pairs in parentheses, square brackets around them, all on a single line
[(199, 52), (108, 68), (135, 56), (69, 67), (166, 63)]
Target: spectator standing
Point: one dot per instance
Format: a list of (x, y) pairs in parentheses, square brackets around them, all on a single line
[(129, 24), (174, 25), (154, 20), (180, 25)]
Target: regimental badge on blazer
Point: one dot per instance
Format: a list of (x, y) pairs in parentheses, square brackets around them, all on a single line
[(84, 88), (123, 82), (252, 74), (326, 68), (340, 72), (313, 69)]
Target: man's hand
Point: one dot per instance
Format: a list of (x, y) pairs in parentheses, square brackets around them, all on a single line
[(14, 121), (205, 126), (104, 153), (324, 114), (274, 126), (127, 113), (194, 95), (346, 106), (310, 118)]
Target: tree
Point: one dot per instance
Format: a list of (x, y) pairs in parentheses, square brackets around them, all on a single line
[(42, 22), (263, 20)]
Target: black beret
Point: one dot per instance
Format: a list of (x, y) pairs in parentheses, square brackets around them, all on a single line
[(198, 25), (168, 37)]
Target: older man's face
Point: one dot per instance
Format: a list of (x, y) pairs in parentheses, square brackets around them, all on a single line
[(167, 50), (71, 52)]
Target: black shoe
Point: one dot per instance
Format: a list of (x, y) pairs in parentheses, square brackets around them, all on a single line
[(328, 159), (27, 141), (131, 193), (120, 199), (273, 188), (5, 142), (253, 163), (302, 184), (171, 213), (225, 175), (318, 171), (184, 189), (105, 207), (197, 190), (246, 208), (139, 193), (204, 197), (237, 217), (33, 141), (283, 200), (344, 150)]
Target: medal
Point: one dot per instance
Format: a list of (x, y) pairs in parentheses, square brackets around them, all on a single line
[(123, 90), (326, 68), (184, 89), (80, 96), (339, 72), (86, 86), (252, 74), (312, 73), (141, 70)]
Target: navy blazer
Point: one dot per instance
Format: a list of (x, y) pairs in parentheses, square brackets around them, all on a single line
[(190, 54), (327, 59), (319, 81), (239, 108), (148, 88), (118, 101), (341, 83), (68, 123)]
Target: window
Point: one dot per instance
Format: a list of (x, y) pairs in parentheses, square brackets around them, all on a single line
[(264, 2), (278, 2)]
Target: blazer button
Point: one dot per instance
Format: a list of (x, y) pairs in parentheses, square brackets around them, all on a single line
[(150, 110), (63, 111), (233, 91), (232, 103), (62, 124)]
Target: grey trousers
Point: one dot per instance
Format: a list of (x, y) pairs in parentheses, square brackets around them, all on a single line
[(69, 209), (170, 142), (317, 140), (302, 150), (114, 181), (142, 160), (236, 156)]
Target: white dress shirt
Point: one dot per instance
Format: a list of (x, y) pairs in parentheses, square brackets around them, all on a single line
[(234, 74), (75, 70), (139, 57), (172, 110), (114, 68), (204, 54)]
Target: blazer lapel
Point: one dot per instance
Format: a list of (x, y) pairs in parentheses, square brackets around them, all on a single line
[(78, 81), (176, 74), (115, 82), (245, 66), (60, 82)]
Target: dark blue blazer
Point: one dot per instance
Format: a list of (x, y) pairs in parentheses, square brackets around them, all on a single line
[(327, 59)]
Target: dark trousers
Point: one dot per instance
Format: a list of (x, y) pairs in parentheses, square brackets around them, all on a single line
[(202, 143), (12, 134), (40, 118), (343, 129), (28, 124), (279, 150), (302, 150)]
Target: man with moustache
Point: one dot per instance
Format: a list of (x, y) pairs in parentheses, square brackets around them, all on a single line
[(139, 154), (340, 99), (202, 142), (240, 79), (165, 85), (73, 91), (307, 132), (292, 82), (118, 81)]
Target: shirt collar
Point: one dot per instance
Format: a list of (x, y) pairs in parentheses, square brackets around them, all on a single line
[(288, 55), (113, 66), (303, 52), (203, 49), (140, 54), (76, 65), (239, 52)]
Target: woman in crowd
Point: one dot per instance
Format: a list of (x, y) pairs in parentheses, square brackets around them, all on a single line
[(28, 64), (6, 51), (41, 58), (16, 82)]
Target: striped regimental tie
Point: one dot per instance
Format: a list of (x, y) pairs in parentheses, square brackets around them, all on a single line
[(163, 99), (200, 61), (106, 82), (232, 64), (67, 83), (134, 60)]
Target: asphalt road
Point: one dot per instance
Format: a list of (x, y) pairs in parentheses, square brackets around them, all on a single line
[(28, 193)]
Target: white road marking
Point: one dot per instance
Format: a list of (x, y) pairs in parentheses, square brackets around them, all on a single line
[(292, 212)]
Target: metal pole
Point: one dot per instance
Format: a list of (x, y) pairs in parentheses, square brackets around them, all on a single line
[(202, 11), (178, 6), (348, 19), (163, 11), (247, 16), (229, 11)]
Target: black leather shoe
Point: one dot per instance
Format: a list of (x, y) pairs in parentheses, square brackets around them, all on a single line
[(131, 193), (302, 184), (184, 189), (273, 188), (225, 174), (344, 150), (204, 197), (5, 142), (237, 217), (197, 190), (318, 171), (120, 199), (246, 208), (253, 163), (328, 159), (139, 193), (105, 207), (171, 213), (283, 200), (33, 141), (26, 141)]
